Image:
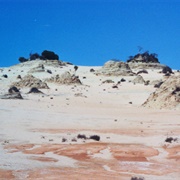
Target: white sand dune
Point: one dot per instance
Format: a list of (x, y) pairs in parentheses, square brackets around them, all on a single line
[(38, 135)]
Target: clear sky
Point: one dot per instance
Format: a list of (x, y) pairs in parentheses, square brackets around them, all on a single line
[(90, 32)]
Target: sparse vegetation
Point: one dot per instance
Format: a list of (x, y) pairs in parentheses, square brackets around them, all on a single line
[(34, 56), (75, 68), (64, 139), (49, 55), (166, 70), (35, 90), (92, 70), (137, 178), (19, 77), (13, 89), (81, 136), (145, 57), (45, 55), (170, 139), (158, 84), (49, 71), (142, 71), (122, 80), (95, 137), (5, 75), (22, 59), (177, 89)]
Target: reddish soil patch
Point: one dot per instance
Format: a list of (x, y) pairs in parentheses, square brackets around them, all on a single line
[(80, 173), (124, 158), (174, 153), (140, 159), (43, 159), (133, 151), (80, 151), (18, 147), (6, 174)]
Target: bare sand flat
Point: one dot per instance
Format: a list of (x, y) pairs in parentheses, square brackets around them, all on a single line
[(39, 134)]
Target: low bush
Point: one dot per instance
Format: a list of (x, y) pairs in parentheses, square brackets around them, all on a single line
[(95, 137), (49, 55)]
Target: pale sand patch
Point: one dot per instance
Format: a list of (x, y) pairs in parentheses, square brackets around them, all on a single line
[(132, 138)]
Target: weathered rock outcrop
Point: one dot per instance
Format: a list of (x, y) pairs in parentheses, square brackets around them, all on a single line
[(11, 96), (145, 61), (166, 70), (39, 68), (139, 80), (13, 93), (38, 63), (115, 68), (167, 95), (143, 65), (31, 81), (54, 63), (65, 78), (145, 57)]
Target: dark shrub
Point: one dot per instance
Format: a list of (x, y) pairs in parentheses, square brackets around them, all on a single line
[(13, 89), (115, 86), (95, 137), (69, 63), (81, 136), (49, 55), (92, 70), (64, 139), (146, 57), (166, 70), (123, 80), (35, 90), (146, 82), (75, 68), (49, 71), (42, 58), (5, 75), (158, 84), (74, 140), (167, 74), (176, 90), (137, 178), (142, 71), (170, 139), (22, 59), (34, 56), (19, 77)]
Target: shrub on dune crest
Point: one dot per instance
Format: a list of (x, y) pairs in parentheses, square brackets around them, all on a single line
[(49, 55), (45, 55)]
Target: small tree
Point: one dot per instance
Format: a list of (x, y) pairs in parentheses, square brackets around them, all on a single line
[(34, 56), (148, 58), (49, 55), (130, 58), (139, 49), (75, 68), (22, 59)]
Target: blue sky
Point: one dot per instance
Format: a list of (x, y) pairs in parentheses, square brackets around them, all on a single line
[(90, 32)]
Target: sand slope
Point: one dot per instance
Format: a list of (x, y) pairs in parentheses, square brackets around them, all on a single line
[(39, 134)]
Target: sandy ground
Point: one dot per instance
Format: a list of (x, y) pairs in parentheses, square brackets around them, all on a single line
[(38, 135)]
